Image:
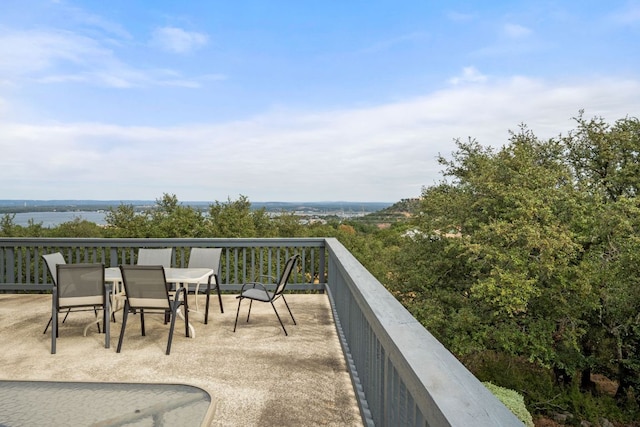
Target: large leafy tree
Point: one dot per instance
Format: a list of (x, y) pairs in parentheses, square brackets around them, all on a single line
[(530, 250), (168, 218), (606, 164), (171, 219), (125, 221), (235, 218)]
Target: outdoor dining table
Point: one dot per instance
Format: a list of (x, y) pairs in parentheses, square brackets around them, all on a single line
[(186, 276)]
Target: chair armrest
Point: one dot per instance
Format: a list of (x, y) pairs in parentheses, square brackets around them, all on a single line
[(176, 295), (253, 286), (259, 278)]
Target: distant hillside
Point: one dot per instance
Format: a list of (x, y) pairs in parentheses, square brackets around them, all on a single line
[(398, 211)]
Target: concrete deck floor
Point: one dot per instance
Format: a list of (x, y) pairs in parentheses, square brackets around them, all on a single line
[(255, 376)]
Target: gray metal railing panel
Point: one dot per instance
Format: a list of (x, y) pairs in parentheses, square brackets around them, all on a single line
[(407, 376), (242, 259)]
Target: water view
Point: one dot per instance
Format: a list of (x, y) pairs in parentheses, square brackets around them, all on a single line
[(53, 219)]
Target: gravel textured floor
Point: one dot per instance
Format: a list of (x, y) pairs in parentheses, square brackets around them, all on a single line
[(255, 376)]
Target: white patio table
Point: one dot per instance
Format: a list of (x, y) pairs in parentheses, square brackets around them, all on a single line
[(186, 276)]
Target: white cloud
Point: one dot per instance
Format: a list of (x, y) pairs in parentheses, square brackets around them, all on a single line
[(56, 56), (381, 153), (27, 52), (469, 75), (177, 40)]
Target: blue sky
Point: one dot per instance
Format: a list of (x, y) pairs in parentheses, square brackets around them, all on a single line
[(292, 100)]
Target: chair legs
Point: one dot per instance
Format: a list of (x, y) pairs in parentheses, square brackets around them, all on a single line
[(176, 305), (125, 314), (240, 298), (174, 313), (53, 322), (144, 333), (279, 320), (290, 313), (206, 307), (237, 314), (173, 323), (63, 320), (48, 324)]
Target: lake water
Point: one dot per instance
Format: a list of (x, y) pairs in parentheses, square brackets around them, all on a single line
[(53, 219)]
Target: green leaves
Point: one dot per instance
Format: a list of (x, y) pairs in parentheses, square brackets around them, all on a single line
[(538, 243)]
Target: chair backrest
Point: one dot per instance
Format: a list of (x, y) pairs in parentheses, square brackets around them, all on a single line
[(145, 286), (286, 274), (80, 285), (52, 261), (156, 256), (205, 258)]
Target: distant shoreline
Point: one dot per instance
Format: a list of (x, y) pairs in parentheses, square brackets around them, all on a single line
[(34, 206), (52, 215)]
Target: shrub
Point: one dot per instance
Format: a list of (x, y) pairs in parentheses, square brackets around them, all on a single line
[(512, 400)]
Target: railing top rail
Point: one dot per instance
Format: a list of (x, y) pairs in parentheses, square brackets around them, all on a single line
[(157, 242), (446, 392)]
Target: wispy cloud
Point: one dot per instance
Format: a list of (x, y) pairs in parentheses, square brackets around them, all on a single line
[(93, 21), (177, 40), (60, 56), (26, 52), (382, 153)]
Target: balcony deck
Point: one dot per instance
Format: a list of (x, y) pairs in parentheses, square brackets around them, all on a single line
[(256, 376)]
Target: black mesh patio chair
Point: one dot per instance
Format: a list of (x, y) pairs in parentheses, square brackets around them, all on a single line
[(155, 256), (80, 287), (146, 291), (207, 258), (257, 291)]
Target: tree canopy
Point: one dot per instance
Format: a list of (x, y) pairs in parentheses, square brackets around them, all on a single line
[(530, 250)]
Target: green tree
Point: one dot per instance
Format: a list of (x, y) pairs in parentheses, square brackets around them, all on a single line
[(529, 250), (78, 227), (170, 219), (7, 226), (124, 221), (606, 164), (235, 218)]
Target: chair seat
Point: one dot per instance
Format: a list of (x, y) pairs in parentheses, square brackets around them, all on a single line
[(258, 294)]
